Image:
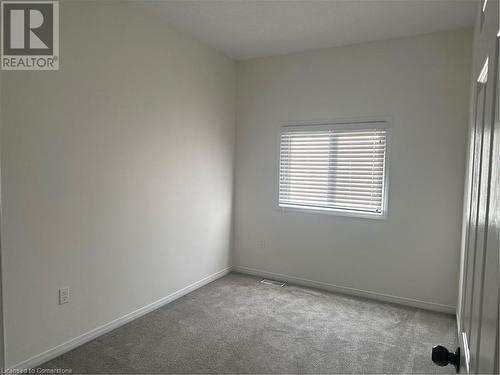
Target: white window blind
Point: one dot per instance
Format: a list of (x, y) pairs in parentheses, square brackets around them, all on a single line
[(333, 168)]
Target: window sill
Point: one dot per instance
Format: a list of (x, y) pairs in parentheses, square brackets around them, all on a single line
[(361, 215)]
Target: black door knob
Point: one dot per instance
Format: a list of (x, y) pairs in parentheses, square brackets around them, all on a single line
[(442, 357)]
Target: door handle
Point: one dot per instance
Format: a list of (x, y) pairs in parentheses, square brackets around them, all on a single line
[(442, 357)]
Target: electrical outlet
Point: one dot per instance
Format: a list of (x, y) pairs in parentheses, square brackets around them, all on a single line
[(262, 244), (64, 295)]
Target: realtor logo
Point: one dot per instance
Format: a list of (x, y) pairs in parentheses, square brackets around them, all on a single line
[(30, 35)]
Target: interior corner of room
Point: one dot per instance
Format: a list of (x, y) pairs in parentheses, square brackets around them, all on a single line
[(182, 151)]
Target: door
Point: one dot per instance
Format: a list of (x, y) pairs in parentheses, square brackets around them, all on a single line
[(478, 310)]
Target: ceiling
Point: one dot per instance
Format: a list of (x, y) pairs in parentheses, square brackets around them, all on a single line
[(244, 29)]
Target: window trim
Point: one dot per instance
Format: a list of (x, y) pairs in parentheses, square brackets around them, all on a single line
[(342, 124)]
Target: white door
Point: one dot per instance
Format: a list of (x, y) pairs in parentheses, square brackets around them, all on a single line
[(478, 310)]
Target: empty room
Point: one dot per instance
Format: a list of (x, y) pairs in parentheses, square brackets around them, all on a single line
[(249, 186)]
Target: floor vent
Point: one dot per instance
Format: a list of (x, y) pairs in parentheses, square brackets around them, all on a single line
[(272, 282)]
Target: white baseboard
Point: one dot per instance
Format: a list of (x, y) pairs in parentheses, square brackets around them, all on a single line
[(90, 335), (345, 290)]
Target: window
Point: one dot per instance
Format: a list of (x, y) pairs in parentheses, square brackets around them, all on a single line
[(337, 168)]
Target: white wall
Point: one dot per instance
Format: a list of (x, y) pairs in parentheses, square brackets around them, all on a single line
[(117, 174), (421, 85)]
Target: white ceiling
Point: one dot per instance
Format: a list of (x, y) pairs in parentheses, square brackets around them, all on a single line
[(244, 29)]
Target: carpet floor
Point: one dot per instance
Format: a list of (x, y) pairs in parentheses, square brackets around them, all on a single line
[(238, 325)]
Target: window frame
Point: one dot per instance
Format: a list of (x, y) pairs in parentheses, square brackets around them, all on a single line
[(361, 124)]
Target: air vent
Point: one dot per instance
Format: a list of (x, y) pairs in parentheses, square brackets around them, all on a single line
[(272, 282)]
